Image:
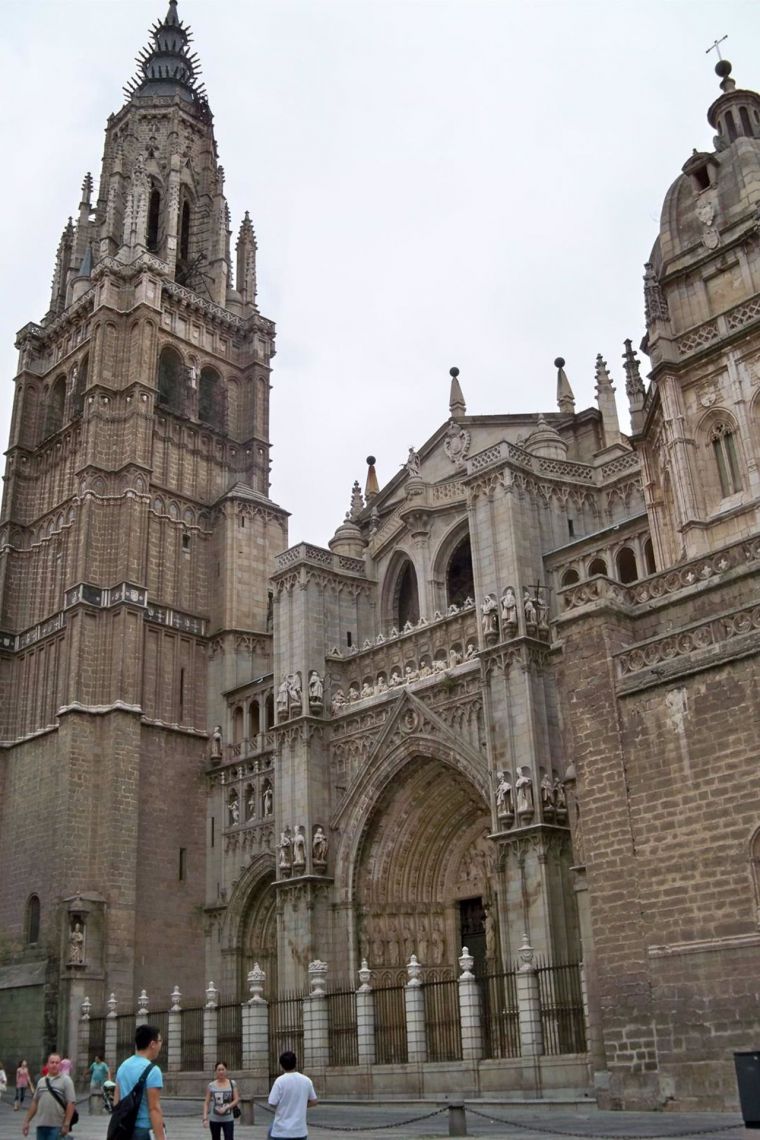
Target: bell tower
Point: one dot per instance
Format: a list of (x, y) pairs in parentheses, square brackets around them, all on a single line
[(136, 539)]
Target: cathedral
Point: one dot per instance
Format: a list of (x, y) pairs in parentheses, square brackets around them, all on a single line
[(511, 706)]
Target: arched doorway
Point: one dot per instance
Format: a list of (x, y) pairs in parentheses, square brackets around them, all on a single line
[(252, 922), (423, 876)]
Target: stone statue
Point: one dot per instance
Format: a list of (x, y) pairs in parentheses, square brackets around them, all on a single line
[(319, 847), (353, 692), (367, 690), (547, 796), (504, 796), (381, 685), (299, 847), (282, 697), (338, 701), (425, 669), (268, 797), (286, 851), (410, 674), (413, 462), (560, 799), (531, 615), (294, 688), (250, 804), (453, 609), (489, 621), (316, 690), (216, 742), (76, 945), (524, 790), (234, 811), (470, 651), (454, 658), (395, 678), (509, 607)]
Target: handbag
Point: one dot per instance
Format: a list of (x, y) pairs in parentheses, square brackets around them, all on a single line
[(235, 1110), (63, 1103)]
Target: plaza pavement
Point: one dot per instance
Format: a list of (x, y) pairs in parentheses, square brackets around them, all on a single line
[(398, 1121)]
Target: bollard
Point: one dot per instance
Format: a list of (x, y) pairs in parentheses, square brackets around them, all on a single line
[(457, 1118), (95, 1104), (246, 1110)]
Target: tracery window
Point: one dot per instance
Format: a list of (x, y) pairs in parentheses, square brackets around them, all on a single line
[(459, 580), (407, 598), (55, 406), (171, 380), (211, 399), (724, 451), (154, 216), (32, 923)]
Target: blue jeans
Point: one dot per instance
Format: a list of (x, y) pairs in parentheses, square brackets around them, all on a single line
[(47, 1132), (141, 1134)]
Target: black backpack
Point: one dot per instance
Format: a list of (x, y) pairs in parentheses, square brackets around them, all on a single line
[(121, 1126)]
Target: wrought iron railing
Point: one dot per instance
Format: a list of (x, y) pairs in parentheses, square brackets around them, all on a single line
[(341, 1020), (499, 1014), (562, 1019), (285, 1029), (390, 1025), (192, 1040), (229, 1035), (442, 1023)]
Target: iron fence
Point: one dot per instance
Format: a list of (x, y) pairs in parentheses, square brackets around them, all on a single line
[(192, 1040), (499, 1013), (229, 1035), (443, 1027), (285, 1029), (562, 1017), (161, 1022), (390, 1025), (97, 1037), (341, 1020), (125, 1036)]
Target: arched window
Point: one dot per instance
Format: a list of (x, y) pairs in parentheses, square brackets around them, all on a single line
[(269, 711), (626, 565), (459, 583), (407, 607), (649, 557), (55, 406), (154, 217), (569, 578), (237, 724), (211, 399), (32, 923), (598, 566), (171, 381), (80, 384), (746, 124), (724, 451), (730, 125), (254, 727), (184, 232)]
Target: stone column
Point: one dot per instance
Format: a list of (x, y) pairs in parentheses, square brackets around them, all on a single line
[(365, 1016), (210, 1023), (316, 1046), (414, 1003), (110, 1035), (529, 1004), (143, 1013), (256, 1023), (174, 1033), (82, 1059), (469, 1010)]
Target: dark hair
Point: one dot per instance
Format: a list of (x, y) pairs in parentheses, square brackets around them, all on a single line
[(145, 1035), (288, 1060), (216, 1066)]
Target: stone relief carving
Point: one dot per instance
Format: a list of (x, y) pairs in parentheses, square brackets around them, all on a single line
[(319, 847), (299, 849), (504, 800), (285, 861), (216, 743), (456, 443), (524, 796), (316, 690), (413, 463), (489, 617), (76, 945)]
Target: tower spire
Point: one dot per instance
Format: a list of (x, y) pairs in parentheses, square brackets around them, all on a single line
[(634, 386), (565, 397), (605, 398), (245, 275), (166, 67), (457, 406)]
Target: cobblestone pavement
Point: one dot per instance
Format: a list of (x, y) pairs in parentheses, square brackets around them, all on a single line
[(333, 1120)]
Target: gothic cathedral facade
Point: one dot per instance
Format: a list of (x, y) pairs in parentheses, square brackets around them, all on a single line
[(512, 703)]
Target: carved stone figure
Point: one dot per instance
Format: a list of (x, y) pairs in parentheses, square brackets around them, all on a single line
[(439, 665), (299, 847), (316, 690), (338, 701), (250, 804), (504, 805), (410, 674), (531, 615), (547, 796), (286, 852), (216, 742), (490, 619), (454, 658), (395, 679), (268, 798), (283, 693), (524, 792), (294, 689), (319, 847), (425, 669), (560, 799), (353, 693), (233, 810), (470, 651), (509, 607), (438, 941), (413, 462), (76, 945), (367, 690), (453, 609)]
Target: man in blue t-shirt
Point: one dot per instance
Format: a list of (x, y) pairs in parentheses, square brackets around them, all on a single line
[(147, 1047)]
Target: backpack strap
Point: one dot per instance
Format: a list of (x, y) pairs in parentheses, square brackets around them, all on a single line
[(144, 1075), (57, 1095)]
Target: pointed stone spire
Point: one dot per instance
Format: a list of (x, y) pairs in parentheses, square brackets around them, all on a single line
[(371, 487), (357, 502), (86, 191), (634, 387), (61, 271), (605, 398), (166, 66), (348, 539), (84, 227), (245, 274), (565, 397), (457, 406)]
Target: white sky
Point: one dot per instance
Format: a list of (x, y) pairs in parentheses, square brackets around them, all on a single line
[(432, 182)]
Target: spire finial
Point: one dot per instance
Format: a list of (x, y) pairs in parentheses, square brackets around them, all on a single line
[(565, 397), (634, 386), (601, 373), (457, 406), (166, 66), (357, 502), (371, 487), (715, 46), (87, 190)]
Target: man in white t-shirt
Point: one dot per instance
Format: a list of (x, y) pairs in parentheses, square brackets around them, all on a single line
[(290, 1096)]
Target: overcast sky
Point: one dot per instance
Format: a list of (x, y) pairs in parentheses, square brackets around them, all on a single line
[(432, 182)]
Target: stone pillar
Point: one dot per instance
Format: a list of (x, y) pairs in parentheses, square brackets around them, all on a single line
[(414, 1003), (316, 1045), (529, 1004), (174, 1033), (365, 1016), (256, 1023), (82, 1059), (143, 1013), (110, 1035), (469, 1010), (210, 1023)]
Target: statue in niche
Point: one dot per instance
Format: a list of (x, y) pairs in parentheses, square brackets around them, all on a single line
[(282, 698), (531, 614), (367, 690), (422, 939), (338, 701), (286, 852), (233, 810), (410, 674), (250, 804), (76, 945), (489, 620), (268, 798), (438, 941), (393, 947), (216, 742), (470, 651), (395, 679), (509, 608), (489, 921), (524, 795), (353, 692), (407, 928), (413, 462), (547, 796), (542, 610), (560, 799), (319, 847), (299, 847), (439, 665), (294, 689), (381, 685), (378, 950), (454, 658), (316, 690), (425, 670), (504, 805)]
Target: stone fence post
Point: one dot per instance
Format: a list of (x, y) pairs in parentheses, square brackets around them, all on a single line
[(143, 1014), (365, 1016), (316, 1041), (82, 1059), (174, 1033), (469, 1009), (110, 1035), (255, 1015), (414, 1004), (529, 1004), (210, 1027)]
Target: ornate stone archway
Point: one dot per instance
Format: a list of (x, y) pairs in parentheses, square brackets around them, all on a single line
[(250, 928)]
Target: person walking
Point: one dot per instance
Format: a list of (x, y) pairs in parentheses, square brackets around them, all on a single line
[(222, 1098), (290, 1096), (99, 1073), (53, 1103), (23, 1082), (149, 1115)]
